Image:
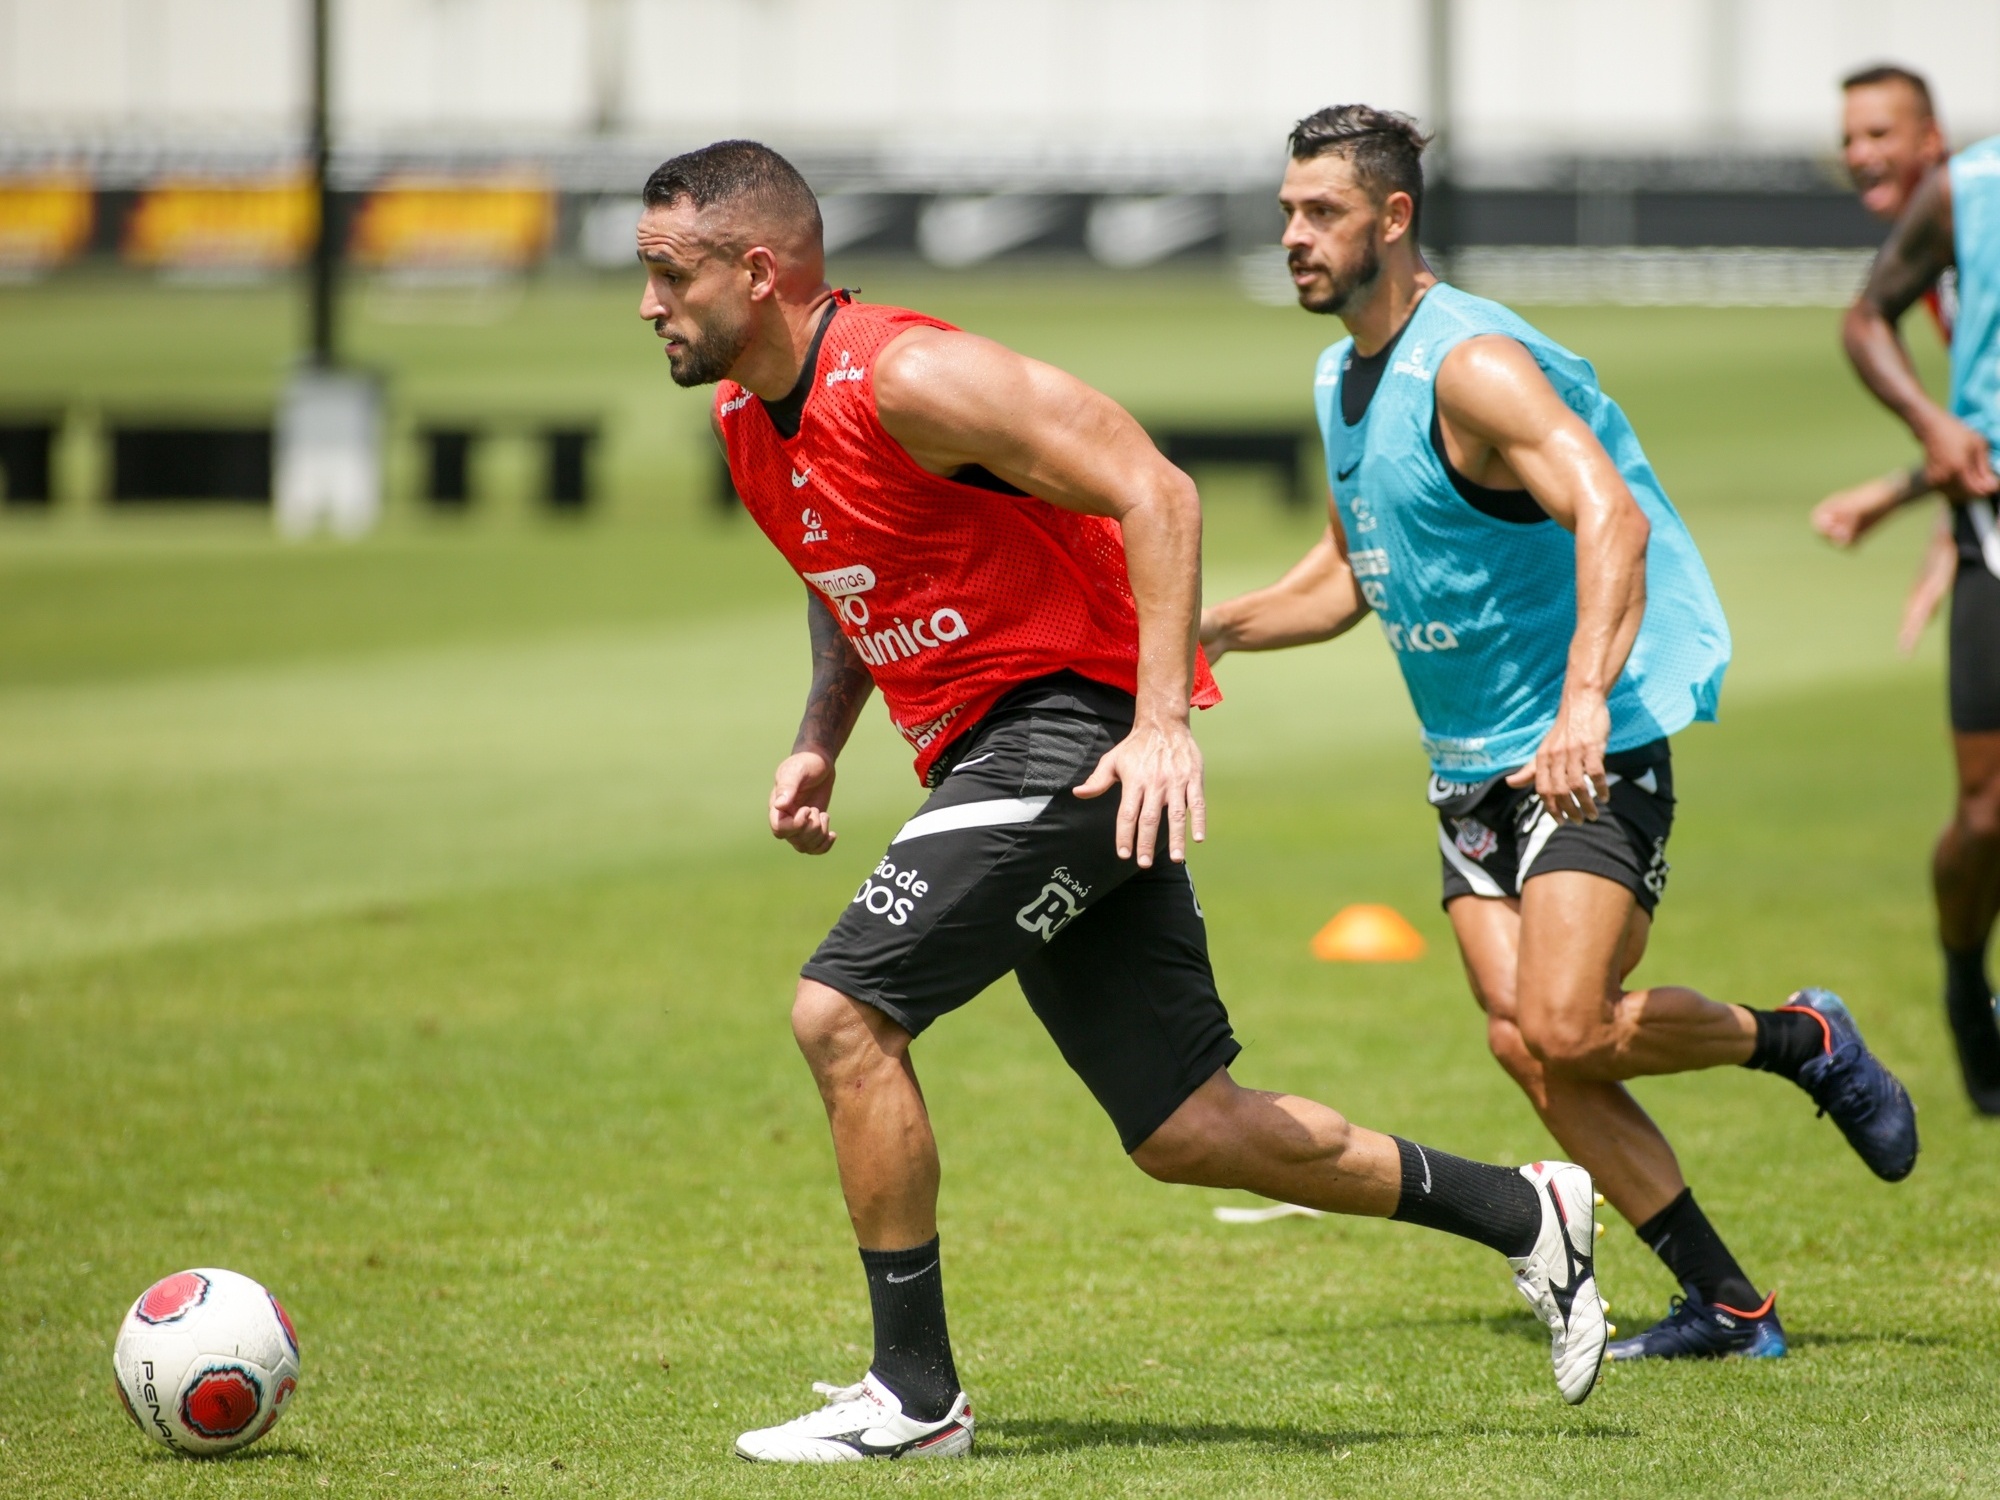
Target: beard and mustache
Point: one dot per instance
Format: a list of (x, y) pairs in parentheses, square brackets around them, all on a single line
[(1344, 283), (710, 353)]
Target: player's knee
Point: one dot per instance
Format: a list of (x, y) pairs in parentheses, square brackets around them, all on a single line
[(1562, 1044), (833, 1030), (1179, 1151), (1504, 1041), (1190, 1144), (1979, 813)]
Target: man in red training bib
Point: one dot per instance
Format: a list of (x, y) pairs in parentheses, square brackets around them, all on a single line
[(1002, 552)]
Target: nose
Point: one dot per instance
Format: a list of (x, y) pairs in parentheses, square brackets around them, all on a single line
[(651, 307)]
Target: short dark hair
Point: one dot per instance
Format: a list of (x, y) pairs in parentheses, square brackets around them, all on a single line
[(735, 171), (1386, 149), (1891, 73)]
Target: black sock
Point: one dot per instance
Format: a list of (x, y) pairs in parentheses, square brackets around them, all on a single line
[(1681, 1235), (1968, 1005), (1786, 1041), (1496, 1206), (1965, 974), (912, 1349)]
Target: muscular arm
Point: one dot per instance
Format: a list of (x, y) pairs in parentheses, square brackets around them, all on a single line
[(1918, 251), (1317, 600), (1505, 426), (803, 785), (840, 685), (953, 399)]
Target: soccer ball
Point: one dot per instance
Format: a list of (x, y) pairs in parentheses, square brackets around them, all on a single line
[(206, 1361)]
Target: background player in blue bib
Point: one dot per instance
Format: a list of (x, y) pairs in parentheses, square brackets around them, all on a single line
[(1952, 224), (1554, 624)]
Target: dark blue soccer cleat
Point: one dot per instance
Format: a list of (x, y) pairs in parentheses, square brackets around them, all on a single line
[(1693, 1329), (1848, 1082)]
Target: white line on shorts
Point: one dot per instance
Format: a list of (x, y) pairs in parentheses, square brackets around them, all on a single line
[(993, 813)]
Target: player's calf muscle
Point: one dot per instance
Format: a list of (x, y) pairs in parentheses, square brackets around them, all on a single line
[(1229, 1136)]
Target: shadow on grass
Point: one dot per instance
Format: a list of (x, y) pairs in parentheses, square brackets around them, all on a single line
[(1840, 1340), (1022, 1437), (256, 1453), (1521, 1324)]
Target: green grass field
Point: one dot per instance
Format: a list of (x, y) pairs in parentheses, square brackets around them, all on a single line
[(394, 923)]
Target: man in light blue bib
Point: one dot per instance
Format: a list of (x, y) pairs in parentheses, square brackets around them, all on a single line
[(1555, 625)]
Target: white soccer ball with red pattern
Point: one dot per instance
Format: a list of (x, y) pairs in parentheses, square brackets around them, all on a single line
[(206, 1361)]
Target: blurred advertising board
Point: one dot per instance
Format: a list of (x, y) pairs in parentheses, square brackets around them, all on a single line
[(222, 226), (429, 224), (44, 222)]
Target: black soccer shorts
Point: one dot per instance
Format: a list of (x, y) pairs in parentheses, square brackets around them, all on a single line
[(1495, 837), (1975, 649), (1003, 869)]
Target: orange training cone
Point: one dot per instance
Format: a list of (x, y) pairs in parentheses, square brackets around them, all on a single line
[(1368, 934)]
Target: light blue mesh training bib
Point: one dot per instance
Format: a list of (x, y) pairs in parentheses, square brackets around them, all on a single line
[(1975, 337), (1480, 610)]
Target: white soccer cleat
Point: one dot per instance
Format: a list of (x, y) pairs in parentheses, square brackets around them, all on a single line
[(1558, 1279), (857, 1422)]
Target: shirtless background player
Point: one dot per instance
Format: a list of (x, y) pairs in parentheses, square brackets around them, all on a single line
[(1934, 248), (1001, 550), (1890, 137)]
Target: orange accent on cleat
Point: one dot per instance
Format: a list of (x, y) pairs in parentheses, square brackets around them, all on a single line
[(1762, 1311), (1826, 1031)]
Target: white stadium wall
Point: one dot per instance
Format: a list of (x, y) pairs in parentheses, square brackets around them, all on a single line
[(1074, 80)]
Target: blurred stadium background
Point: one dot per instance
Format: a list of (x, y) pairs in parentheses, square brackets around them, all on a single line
[(156, 155)]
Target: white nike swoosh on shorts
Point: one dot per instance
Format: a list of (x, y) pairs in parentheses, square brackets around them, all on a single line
[(995, 812)]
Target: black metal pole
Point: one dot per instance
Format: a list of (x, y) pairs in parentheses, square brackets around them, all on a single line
[(326, 247), (1440, 227)]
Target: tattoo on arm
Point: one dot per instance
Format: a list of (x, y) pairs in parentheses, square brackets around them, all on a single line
[(1918, 251), (840, 684)]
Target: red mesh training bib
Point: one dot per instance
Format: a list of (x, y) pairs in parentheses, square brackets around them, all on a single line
[(951, 593)]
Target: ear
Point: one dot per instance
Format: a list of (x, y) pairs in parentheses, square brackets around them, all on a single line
[(1397, 211), (762, 266)]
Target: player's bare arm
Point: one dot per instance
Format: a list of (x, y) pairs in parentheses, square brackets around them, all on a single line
[(1919, 250), (1933, 584), (953, 399), (1505, 427), (1317, 600), (803, 786), (1846, 516)]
